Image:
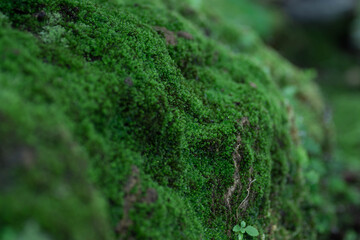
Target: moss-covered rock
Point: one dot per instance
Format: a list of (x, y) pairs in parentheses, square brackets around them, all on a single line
[(180, 131)]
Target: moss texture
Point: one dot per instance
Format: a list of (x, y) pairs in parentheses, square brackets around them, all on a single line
[(150, 121)]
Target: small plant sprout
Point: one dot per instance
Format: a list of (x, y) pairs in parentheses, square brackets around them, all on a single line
[(242, 229)]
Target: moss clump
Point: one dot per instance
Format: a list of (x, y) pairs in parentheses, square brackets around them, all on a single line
[(182, 136)]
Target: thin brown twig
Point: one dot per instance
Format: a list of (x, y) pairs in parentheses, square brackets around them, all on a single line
[(246, 199)]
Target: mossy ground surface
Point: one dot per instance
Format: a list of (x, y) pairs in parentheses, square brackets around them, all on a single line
[(146, 121)]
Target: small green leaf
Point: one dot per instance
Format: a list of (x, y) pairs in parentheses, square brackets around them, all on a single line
[(242, 230), (240, 236), (236, 228), (243, 224), (252, 231)]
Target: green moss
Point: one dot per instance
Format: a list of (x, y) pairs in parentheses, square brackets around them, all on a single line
[(183, 137), (40, 181)]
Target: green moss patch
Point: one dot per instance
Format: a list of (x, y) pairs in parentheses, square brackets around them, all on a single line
[(129, 112)]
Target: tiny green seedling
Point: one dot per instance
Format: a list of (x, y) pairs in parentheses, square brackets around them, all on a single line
[(242, 229)]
